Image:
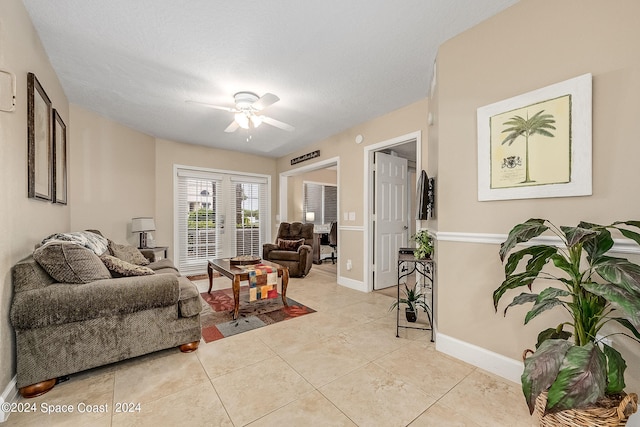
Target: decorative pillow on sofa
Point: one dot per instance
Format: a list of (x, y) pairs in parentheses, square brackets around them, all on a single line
[(70, 263), (120, 268), (89, 240), (290, 245), (128, 253)]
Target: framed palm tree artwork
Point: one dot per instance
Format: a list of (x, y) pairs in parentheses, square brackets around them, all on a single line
[(537, 144)]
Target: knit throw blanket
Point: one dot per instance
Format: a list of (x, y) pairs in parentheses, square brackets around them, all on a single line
[(263, 281)]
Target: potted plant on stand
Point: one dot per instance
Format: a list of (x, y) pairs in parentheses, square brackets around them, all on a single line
[(413, 299), (575, 377), (425, 244)]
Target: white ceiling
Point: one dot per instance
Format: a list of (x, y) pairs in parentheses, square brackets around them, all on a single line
[(333, 63)]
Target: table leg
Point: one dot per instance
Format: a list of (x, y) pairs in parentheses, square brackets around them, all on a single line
[(236, 296), (210, 273), (285, 282)]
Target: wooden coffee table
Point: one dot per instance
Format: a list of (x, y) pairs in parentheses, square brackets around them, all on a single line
[(238, 273)]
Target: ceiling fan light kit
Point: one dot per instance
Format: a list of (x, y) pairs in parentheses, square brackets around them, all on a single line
[(248, 104)]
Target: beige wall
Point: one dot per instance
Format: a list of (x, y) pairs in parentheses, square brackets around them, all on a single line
[(351, 186), (295, 190), (533, 44), (23, 221), (169, 153), (113, 175)]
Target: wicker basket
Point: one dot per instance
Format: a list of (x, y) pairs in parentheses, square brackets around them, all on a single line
[(611, 413)]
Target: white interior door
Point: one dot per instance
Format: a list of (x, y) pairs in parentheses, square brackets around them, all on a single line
[(391, 217)]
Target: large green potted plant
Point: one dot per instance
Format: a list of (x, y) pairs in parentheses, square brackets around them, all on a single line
[(573, 366), (413, 299)]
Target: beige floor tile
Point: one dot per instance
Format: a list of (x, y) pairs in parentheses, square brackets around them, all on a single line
[(336, 299), (420, 364), (312, 409), (373, 340), (198, 405), (290, 334), (324, 361), (79, 396), (371, 396), (362, 311), (228, 354), (325, 324), (439, 416), (157, 375), (490, 400), (257, 390)]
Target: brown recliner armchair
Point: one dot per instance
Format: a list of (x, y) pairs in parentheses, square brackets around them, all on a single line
[(293, 248)]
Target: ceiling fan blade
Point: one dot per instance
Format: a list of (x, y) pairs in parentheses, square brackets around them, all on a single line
[(277, 123), (232, 127), (266, 100), (215, 107)]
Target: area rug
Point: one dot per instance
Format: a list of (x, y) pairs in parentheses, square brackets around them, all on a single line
[(217, 316)]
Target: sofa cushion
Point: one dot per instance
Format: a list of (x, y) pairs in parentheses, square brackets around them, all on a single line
[(120, 268), (279, 255), (59, 303), (70, 263), (290, 245), (128, 253), (88, 239), (163, 265)]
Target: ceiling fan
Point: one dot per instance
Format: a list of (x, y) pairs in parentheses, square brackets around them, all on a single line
[(248, 105)]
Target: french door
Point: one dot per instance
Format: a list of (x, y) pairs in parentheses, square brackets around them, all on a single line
[(219, 215)]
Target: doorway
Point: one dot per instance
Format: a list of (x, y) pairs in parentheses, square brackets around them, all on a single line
[(294, 192), (391, 176)]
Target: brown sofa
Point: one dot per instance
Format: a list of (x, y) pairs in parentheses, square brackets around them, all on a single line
[(64, 328), (293, 248)]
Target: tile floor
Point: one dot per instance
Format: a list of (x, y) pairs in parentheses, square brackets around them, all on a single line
[(341, 366)]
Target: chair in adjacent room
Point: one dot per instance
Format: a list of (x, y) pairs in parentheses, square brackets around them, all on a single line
[(333, 241)]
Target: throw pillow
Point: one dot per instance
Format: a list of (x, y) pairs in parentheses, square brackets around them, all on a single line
[(70, 263), (89, 240), (128, 253), (290, 245), (120, 268)]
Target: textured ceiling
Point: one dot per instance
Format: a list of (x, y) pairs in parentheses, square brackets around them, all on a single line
[(333, 63)]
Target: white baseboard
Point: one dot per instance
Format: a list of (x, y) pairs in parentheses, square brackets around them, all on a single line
[(9, 395), (352, 284), (482, 358)]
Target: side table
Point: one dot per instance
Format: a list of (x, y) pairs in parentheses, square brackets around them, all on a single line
[(407, 265), (159, 252)]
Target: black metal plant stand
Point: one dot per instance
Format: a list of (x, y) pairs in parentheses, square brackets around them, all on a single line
[(407, 265)]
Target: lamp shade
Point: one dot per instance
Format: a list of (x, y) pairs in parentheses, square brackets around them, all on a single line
[(142, 224), (310, 216)]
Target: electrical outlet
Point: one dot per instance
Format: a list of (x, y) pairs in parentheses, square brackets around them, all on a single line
[(349, 265)]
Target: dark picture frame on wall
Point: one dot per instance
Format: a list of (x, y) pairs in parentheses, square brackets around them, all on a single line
[(59, 173), (39, 141)]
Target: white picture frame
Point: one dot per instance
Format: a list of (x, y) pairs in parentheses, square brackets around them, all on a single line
[(552, 159)]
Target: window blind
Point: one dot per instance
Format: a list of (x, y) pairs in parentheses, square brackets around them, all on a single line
[(219, 215), (198, 222), (322, 200), (330, 204), (249, 197)]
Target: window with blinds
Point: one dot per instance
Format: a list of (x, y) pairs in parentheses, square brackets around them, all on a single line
[(251, 204), (219, 215), (322, 201)]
